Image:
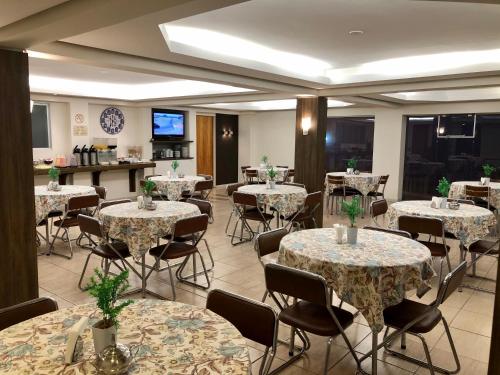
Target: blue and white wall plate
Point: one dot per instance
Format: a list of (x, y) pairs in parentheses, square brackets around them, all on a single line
[(112, 120)]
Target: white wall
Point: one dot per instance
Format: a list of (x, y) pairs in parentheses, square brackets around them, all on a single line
[(272, 133)]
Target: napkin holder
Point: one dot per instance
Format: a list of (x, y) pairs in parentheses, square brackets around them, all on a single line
[(439, 202), (74, 344)]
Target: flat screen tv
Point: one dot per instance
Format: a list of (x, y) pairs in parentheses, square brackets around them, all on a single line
[(168, 124), (456, 126)]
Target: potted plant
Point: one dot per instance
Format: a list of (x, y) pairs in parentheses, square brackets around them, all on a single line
[(175, 164), (488, 169), (351, 165), (264, 160), (106, 290), (443, 189), (353, 210), (54, 179), (272, 174), (147, 190)]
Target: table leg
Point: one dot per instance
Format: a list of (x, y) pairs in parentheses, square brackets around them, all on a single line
[(374, 352), (47, 240)]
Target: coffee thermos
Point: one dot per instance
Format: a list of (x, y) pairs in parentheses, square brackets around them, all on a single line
[(85, 155), (76, 157), (93, 155)]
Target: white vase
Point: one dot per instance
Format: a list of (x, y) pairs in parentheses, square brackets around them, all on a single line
[(103, 337), (352, 235), (148, 200), (53, 185), (272, 184), (350, 170), (443, 203), (485, 181)]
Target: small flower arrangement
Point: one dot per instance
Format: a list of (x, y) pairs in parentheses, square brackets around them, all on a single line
[(264, 159), (443, 187), (352, 209), (272, 173), (54, 174), (488, 169), (175, 164), (352, 163), (148, 188)]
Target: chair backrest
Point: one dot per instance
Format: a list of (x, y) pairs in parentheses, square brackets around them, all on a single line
[(204, 185), (151, 175), (269, 242), (401, 233), (462, 201), (256, 321), (206, 176), (291, 172), (231, 188), (244, 199), (421, 224), (204, 206), (312, 202), (477, 191), (383, 179), (244, 168), (26, 310), (251, 173), (191, 225), (296, 283), (295, 184), (336, 180), (100, 191), (282, 166), (451, 282), (113, 202), (83, 201), (90, 225), (378, 207)]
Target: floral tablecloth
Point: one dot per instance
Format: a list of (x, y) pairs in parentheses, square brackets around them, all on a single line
[(469, 223), (281, 173), (457, 191), (138, 228), (164, 337), (286, 199), (46, 201), (364, 182), (173, 187), (371, 275)]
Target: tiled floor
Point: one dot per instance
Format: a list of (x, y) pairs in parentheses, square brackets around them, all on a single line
[(469, 313)]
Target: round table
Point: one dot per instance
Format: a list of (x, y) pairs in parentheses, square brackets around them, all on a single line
[(281, 173), (164, 337), (371, 275), (286, 199), (49, 200), (138, 228), (173, 187), (457, 191), (469, 223), (363, 182)]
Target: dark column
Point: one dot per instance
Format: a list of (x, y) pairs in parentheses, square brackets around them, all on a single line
[(18, 265), (310, 148)]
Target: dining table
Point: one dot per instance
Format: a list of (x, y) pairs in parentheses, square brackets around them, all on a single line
[(173, 187), (457, 191), (262, 172), (363, 182), (164, 337), (371, 275), (139, 228), (468, 223)]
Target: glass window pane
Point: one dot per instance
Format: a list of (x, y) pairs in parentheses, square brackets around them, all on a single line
[(40, 130)]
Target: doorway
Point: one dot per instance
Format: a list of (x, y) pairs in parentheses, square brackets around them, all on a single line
[(205, 145)]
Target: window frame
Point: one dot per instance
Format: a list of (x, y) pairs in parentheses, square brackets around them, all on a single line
[(49, 127)]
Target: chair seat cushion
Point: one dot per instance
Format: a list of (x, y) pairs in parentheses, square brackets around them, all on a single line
[(55, 213), (175, 250), (255, 215), (105, 251), (70, 221), (400, 315), (375, 194), (315, 318), (483, 246), (437, 249)]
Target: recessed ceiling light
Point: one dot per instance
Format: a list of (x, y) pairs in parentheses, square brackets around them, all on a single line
[(356, 32)]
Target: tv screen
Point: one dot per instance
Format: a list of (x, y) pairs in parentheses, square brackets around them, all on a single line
[(168, 124), (456, 126)]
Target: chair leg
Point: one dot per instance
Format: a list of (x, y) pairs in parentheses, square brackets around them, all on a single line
[(172, 284), (185, 279), (327, 355), (83, 273), (265, 296)]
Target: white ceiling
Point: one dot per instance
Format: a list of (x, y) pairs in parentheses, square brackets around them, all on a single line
[(268, 105), (460, 95), (12, 11)]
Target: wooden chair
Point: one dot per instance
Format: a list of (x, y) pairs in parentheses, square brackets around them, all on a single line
[(337, 189), (26, 310), (382, 182), (230, 189), (390, 231), (306, 214), (378, 208), (251, 176), (480, 195), (248, 209), (290, 175)]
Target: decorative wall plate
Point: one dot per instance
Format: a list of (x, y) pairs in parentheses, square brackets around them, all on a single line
[(79, 118), (112, 120)]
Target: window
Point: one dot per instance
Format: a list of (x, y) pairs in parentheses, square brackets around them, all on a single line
[(40, 125), (346, 138)]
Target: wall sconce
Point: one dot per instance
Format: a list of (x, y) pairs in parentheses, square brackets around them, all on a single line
[(227, 133), (306, 125)]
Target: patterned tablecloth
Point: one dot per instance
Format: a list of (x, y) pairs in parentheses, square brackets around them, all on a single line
[(286, 199), (173, 187), (165, 337), (364, 182), (457, 191), (281, 173), (138, 228), (370, 275), (468, 223), (46, 201)]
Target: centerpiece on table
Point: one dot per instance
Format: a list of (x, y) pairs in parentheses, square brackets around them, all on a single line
[(54, 179), (264, 161), (443, 189), (488, 170), (272, 174), (352, 209), (175, 164), (147, 189), (107, 289), (351, 166)]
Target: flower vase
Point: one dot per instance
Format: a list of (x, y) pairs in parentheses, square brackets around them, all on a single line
[(485, 181), (272, 184), (148, 200), (352, 235), (443, 203), (350, 170), (103, 336), (53, 185)]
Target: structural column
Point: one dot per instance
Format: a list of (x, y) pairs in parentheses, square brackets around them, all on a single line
[(310, 132), (18, 265)]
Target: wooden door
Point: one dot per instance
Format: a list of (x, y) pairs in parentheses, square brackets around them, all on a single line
[(205, 145)]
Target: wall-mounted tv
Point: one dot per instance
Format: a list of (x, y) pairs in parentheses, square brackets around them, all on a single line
[(168, 124), (456, 126)]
